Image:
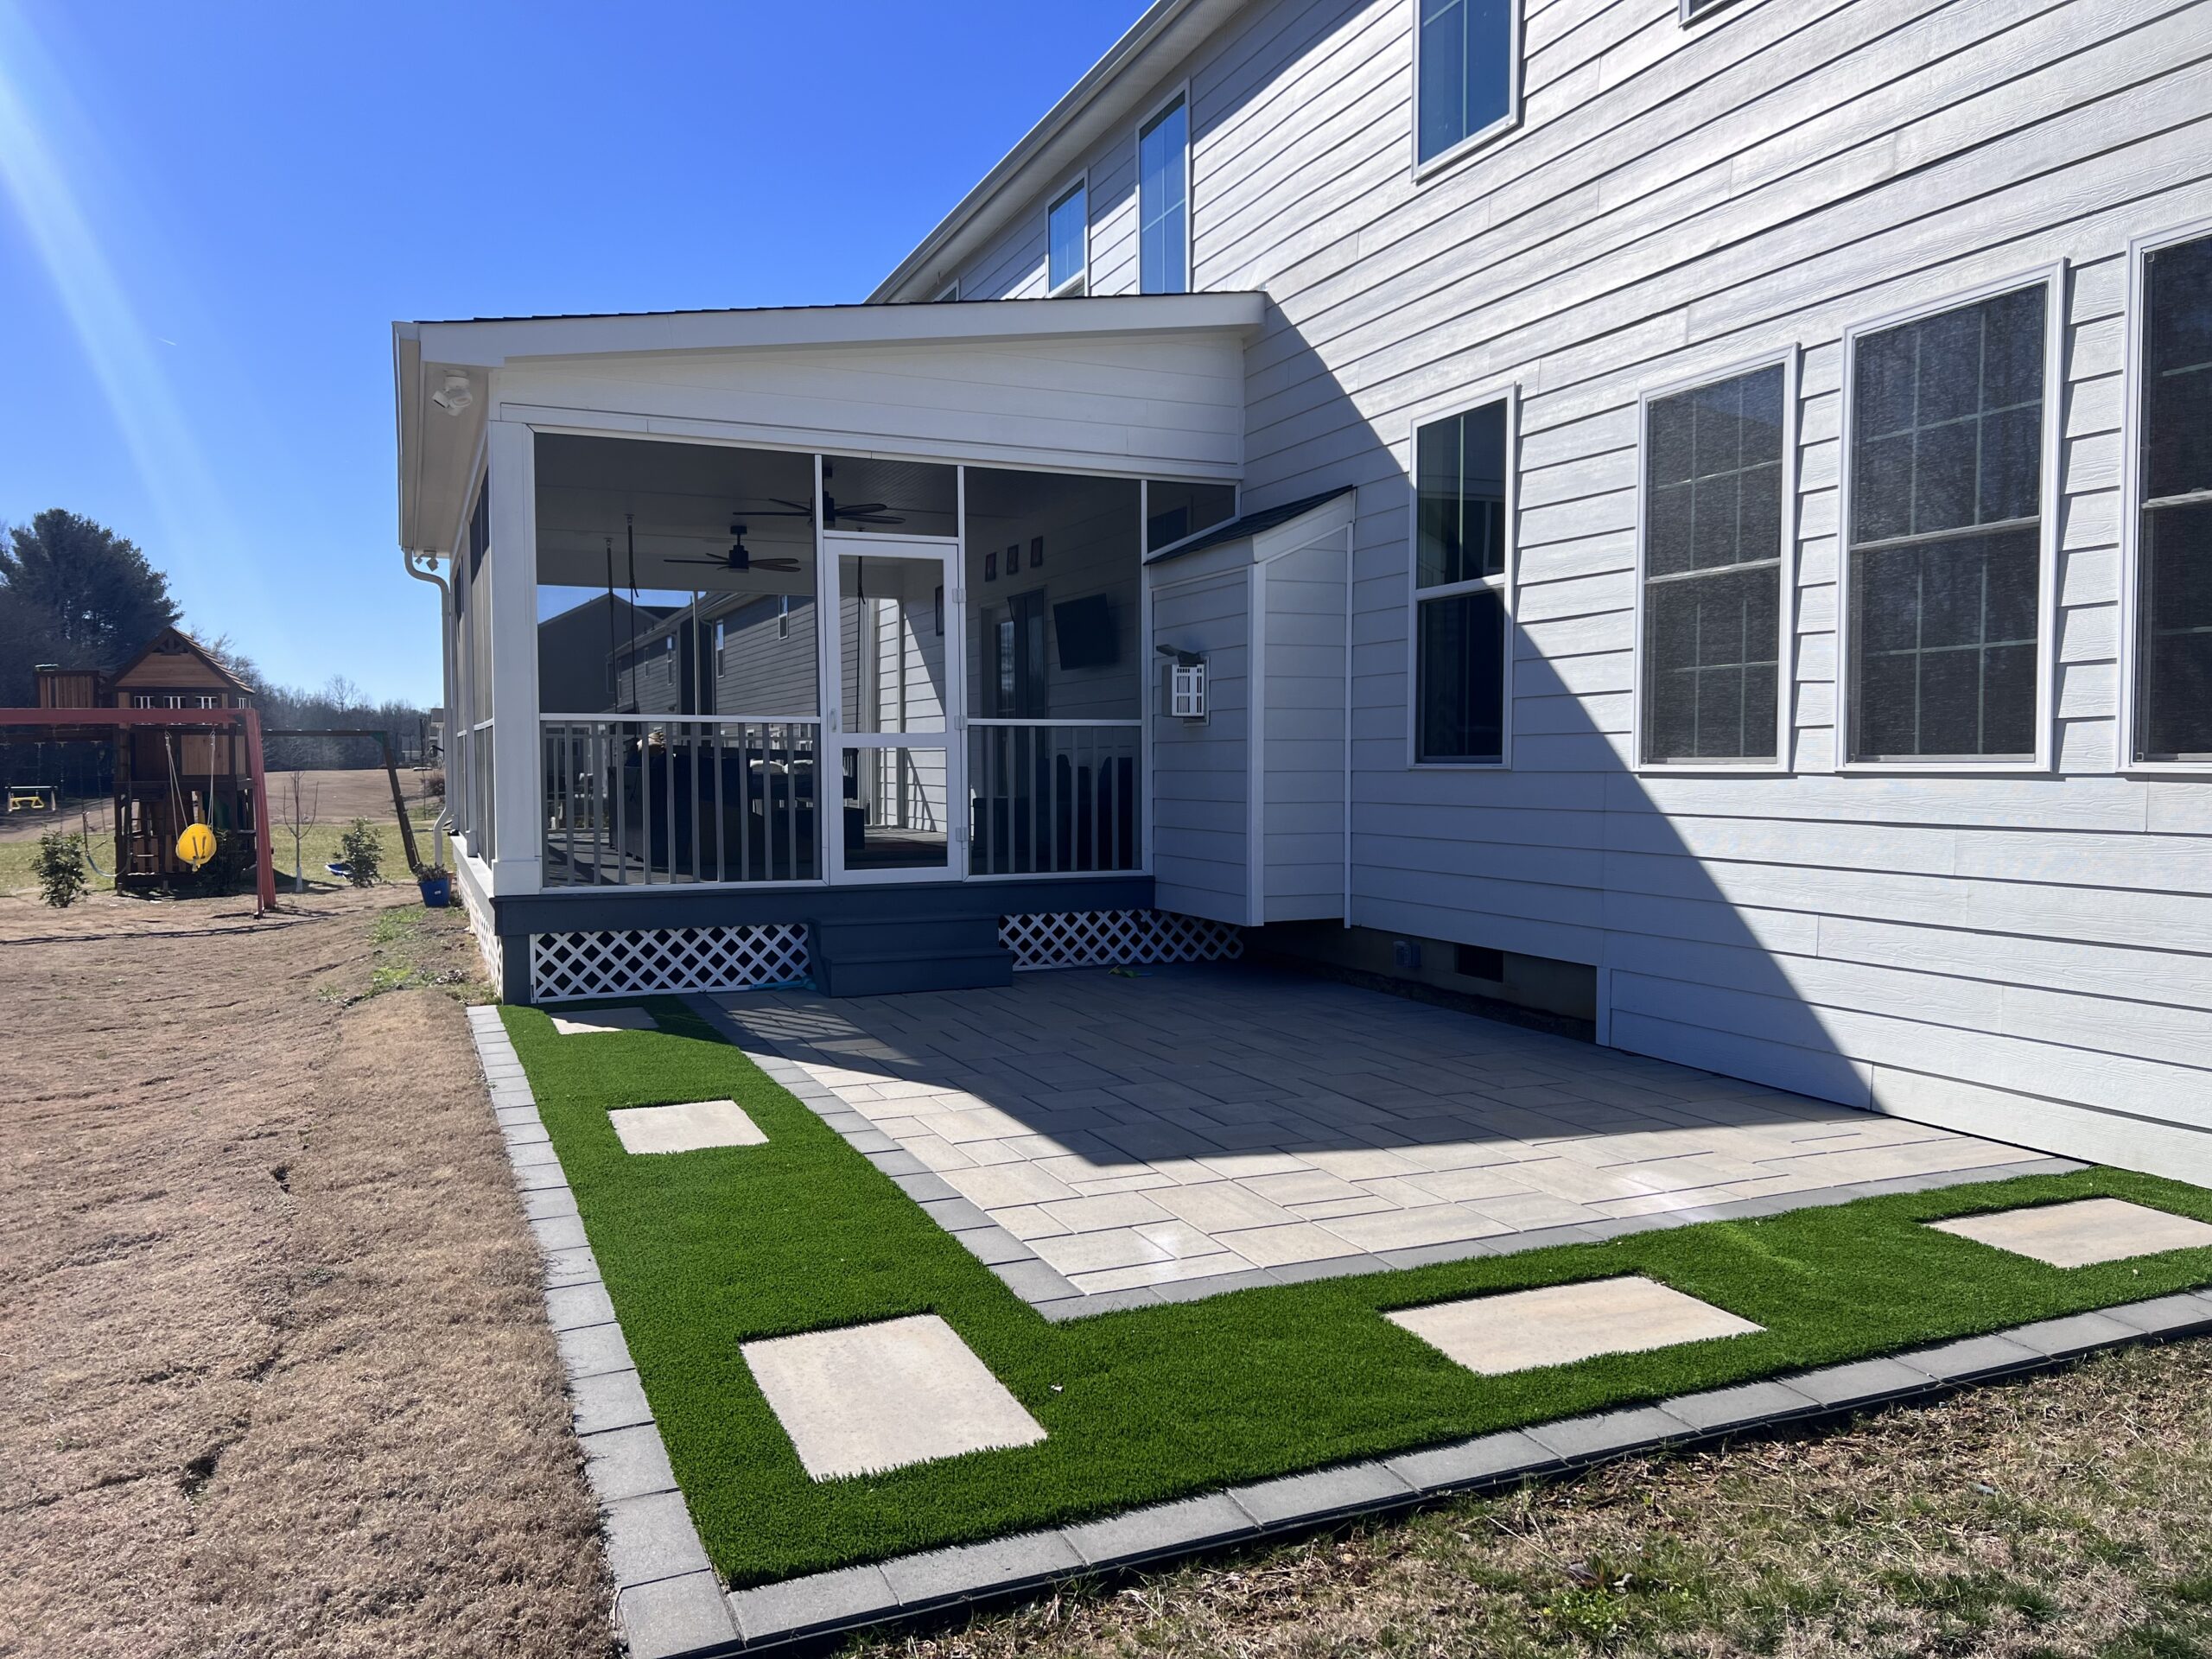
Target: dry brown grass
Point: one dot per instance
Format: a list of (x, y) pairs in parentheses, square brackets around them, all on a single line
[(2070, 1514), (277, 1375)]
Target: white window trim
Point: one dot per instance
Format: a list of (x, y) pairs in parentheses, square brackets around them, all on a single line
[(1079, 285), (1790, 359), (1506, 582), (1691, 12), (1445, 160), (2052, 278), (1182, 93), (2130, 508), (949, 293)]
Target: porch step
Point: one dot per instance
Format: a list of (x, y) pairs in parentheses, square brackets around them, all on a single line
[(880, 955)]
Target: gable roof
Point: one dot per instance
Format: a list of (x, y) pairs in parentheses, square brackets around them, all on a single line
[(170, 642)]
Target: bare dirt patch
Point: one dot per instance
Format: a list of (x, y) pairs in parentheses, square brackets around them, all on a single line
[(277, 1373)]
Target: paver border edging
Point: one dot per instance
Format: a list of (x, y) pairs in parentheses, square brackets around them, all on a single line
[(670, 1603)]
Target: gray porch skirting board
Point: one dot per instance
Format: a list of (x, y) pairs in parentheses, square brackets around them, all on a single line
[(671, 1605)]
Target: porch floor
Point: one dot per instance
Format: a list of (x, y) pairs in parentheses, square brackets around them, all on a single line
[(1195, 1129)]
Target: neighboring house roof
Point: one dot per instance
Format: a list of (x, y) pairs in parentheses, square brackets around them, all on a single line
[(1250, 525), (1109, 94), (172, 642)]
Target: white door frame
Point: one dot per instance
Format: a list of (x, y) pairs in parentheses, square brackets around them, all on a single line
[(944, 553)]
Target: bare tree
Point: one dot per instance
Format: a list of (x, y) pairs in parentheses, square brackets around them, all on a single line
[(295, 813)]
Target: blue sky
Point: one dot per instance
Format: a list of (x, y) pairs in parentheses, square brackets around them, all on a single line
[(210, 215)]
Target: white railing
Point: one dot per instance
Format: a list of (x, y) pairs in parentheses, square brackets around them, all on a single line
[(653, 799), (1055, 797)]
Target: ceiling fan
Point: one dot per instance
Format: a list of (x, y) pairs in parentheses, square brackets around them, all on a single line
[(740, 559), (861, 512)]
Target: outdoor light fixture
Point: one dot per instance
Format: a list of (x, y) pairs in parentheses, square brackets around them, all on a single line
[(455, 395)]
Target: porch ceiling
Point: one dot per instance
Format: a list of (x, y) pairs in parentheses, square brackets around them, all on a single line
[(940, 382)]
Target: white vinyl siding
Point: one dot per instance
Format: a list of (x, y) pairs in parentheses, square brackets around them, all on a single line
[(2022, 956)]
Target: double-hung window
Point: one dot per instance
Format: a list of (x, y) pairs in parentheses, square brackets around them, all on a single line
[(1945, 562), (1467, 72), (2172, 474), (1714, 483), (1067, 237), (1164, 200), (1462, 586)]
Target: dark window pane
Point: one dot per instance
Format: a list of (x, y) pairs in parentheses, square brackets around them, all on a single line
[(1462, 677), (1673, 421), (1466, 70), (1459, 467), (1068, 232), (1762, 415), (1713, 533), (1968, 385), (2011, 465), (1710, 680), (1945, 638), (2176, 675), (1667, 537), (1176, 511), (1944, 477), (1881, 489), (1717, 417), (2177, 370), (1760, 511)]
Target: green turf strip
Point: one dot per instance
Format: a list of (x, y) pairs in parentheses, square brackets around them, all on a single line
[(702, 1251)]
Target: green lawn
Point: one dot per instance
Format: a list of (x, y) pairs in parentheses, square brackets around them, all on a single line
[(702, 1251)]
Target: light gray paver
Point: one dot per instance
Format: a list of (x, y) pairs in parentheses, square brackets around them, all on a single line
[(2085, 1231), (873, 1397), (1301, 1499), (1520, 1329), (689, 1126), (672, 1617), (1161, 1530), (1068, 1105)]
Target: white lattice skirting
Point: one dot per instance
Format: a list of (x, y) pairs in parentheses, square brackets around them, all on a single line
[(570, 967), (1101, 938)]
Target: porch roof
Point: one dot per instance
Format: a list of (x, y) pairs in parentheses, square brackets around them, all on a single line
[(438, 446)]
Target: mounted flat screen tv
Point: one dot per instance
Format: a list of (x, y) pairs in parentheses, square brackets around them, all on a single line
[(1083, 631)]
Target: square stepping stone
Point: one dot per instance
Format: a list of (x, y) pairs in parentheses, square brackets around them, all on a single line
[(2079, 1234), (583, 1021), (691, 1127), (1521, 1330), (873, 1397)]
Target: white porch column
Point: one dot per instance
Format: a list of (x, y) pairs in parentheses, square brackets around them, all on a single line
[(517, 862)]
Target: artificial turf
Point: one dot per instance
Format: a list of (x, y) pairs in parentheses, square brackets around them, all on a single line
[(702, 1251)]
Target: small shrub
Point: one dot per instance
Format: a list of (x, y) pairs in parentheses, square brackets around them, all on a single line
[(362, 852), (60, 866)]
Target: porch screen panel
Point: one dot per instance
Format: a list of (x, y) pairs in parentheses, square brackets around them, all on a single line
[(1055, 673), (1713, 571), (677, 641), (1945, 563), (2174, 548)]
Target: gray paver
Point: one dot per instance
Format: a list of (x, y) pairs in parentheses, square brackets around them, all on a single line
[(1973, 1358), (675, 1615), (593, 1351), (1063, 1106), (570, 1307), (650, 1538), (627, 1463), (1297, 1499), (610, 1400), (1471, 1463), (1583, 1439), (2078, 1333), (2165, 1316), (980, 1569), (819, 1601), (1751, 1402), (1161, 1530), (1860, 1383)]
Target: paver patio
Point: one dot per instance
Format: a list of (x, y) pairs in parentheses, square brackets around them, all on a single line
[(2079, 1235), (1206, 1124)]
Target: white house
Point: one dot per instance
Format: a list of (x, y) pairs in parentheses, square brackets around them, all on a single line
[(1689, 516)]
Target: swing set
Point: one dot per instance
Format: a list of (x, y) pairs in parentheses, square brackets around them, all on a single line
[(196, 842)]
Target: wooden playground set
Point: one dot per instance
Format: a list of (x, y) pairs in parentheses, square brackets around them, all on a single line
[(189, 784)]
